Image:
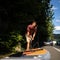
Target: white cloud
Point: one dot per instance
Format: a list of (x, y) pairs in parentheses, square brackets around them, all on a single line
[(56, 31), (57, 27), (54, 8), (58, 20)]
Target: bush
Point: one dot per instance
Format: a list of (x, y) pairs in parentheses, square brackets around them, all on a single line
[(11, 41)]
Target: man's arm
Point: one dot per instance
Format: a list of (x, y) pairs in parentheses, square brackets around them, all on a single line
[(34, 33), (28, 30), (28, 34)]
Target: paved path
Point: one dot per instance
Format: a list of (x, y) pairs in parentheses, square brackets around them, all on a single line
[(55, 52)]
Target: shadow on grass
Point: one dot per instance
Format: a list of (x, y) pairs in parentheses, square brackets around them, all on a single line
[(18, 54)]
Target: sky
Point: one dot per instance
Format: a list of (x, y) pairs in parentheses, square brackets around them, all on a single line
[(56, 20)]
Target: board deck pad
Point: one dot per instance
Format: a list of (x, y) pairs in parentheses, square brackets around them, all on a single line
[(36, 51)]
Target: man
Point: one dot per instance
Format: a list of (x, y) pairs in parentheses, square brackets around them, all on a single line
[(30, 35)]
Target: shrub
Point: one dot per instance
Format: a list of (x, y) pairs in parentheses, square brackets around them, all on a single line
[(11, 41)]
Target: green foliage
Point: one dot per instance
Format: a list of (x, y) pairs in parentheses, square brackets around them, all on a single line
[(16, 36), (11, 41), (16, 15)]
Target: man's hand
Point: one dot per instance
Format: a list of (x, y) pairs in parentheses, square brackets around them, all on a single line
[(32, 38)]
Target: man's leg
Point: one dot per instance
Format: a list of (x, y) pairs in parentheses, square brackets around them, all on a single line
[(28, 43), (28, 46)]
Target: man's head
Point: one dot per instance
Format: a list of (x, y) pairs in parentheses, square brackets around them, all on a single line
[(34, 23)]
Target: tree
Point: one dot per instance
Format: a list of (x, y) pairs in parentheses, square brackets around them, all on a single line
[(16, 15)]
